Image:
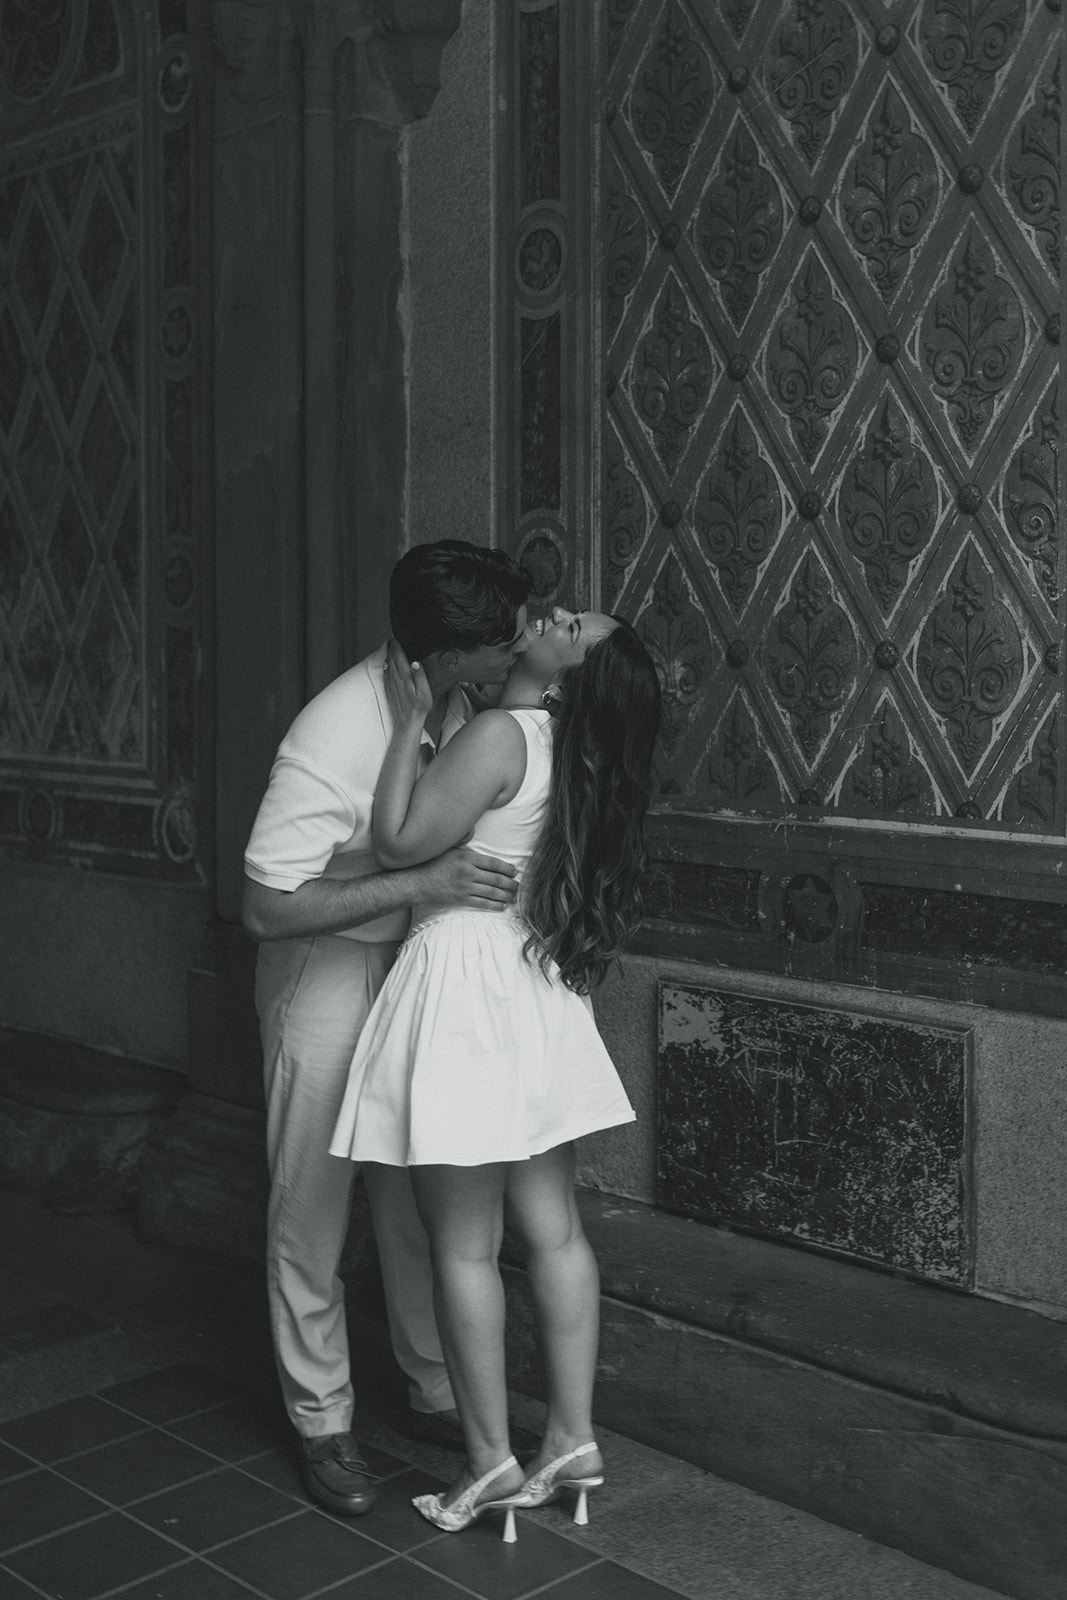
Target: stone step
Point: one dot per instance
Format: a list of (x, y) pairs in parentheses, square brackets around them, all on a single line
[(929, 1420), (75, 1122)]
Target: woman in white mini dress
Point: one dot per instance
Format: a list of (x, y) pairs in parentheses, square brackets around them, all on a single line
[(480, 1062)]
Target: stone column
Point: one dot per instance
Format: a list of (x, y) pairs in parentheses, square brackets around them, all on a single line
[(311, 102)]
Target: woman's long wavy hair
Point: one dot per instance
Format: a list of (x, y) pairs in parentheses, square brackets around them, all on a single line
[(581, 893)]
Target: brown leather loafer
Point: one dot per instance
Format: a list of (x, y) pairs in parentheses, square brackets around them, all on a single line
[(336, 1475)]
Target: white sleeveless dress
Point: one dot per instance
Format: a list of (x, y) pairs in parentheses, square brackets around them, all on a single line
[(471, 1054)]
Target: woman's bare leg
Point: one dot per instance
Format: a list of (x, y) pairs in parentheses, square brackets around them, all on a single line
[(462, 1211), (565, 1283)]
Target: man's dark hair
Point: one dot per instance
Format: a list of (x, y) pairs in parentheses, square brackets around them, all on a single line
[(454, 596)]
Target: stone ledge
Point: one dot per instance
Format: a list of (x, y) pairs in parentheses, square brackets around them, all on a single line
[(75, 1122), (996, 1363), (927, 1420)]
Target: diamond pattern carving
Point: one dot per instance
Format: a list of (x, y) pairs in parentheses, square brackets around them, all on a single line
[(741, 777), (813, 69), (887, 779), (1034, 168), (671, 97), (815, 357), (972, 339), (739, 225), (1031, 500), (739, 511), (888, 504), (98, 431), (894, 193), (827, 457), (967, 43), (672, 374), (676, 635), (970, 658), (811, 658)]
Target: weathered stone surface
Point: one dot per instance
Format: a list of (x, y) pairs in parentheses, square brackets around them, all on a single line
[(930, 1421), (75, 1122)]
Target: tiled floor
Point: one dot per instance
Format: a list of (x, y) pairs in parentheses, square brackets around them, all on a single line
[(175, 1486), (143, 1453)]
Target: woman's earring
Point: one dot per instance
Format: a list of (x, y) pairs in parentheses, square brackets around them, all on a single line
[(552, 698)]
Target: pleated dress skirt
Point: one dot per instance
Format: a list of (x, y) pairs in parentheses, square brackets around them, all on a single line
[(472, 1055)]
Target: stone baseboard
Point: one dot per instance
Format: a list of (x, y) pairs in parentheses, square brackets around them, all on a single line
[(930, 1421)]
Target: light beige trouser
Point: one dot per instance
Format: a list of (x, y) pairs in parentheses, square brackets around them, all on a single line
[(313, 996)]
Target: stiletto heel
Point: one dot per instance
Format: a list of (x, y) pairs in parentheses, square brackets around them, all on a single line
[(467, 1508), (550, 1482)]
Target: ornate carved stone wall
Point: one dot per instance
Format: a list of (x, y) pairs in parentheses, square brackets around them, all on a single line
[(784, 390), (103, 532)]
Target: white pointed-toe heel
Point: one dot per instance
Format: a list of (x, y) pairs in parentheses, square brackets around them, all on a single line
[(550, 1482), (467, 1508)]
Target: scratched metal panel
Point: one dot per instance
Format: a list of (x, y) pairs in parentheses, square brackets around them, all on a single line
[(828, 1127)]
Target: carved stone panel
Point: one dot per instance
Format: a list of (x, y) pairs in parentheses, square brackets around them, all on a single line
[(100, 435), (825, 1127), (816, 298)]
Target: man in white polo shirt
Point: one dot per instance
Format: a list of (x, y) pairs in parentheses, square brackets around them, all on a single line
[(329, 923)]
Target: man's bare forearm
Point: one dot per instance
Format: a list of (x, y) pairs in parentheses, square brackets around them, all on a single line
[(326, 905), (330, 905)]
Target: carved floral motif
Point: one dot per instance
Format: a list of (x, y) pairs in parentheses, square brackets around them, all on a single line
[(1034, 168), (970, 658), (815, 67), (966, 44), (1031, 800), (672, 375), (893, 196), (811, 661), (740, 223), (972, 339), (672, 97), (33, 39), (676, 636), (1031, 499), (625, 248), (886, 778), (737, 14), (817, 359), (740, 776), (888, 504), (739, 511), (624, 515)]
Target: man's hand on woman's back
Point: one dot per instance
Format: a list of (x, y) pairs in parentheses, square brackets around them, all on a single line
[(461, 878)]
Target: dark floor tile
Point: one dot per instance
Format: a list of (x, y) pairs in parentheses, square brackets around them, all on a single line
[(394, 1520), (235, 1431), (46, 1325), (399, 1579), (279, 1467), (13, 1461), (138, 1466), (213, 1510), (12, 1588), (300, 1556), (61, 1430), (480, 1560), (40, 1503), (174, 1392), (193, 1580), (607, 1581), (93, 1559)]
